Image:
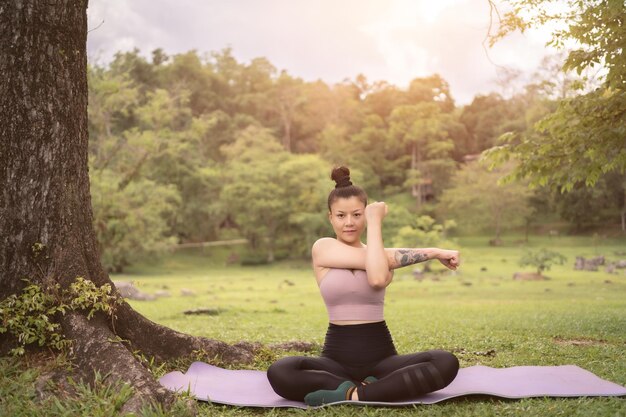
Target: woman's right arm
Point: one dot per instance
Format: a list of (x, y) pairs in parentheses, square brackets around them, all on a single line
[(330, 253)]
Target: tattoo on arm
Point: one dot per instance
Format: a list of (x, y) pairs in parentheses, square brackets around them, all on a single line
[(404, 257)]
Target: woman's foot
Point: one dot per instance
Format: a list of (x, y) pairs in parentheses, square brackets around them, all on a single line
[(369, 380), (344, 392)]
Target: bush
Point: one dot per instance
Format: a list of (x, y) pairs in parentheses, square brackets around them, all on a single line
[(542, 259), (252, 258)]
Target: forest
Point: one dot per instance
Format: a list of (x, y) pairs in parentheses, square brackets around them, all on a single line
[(198, 147)]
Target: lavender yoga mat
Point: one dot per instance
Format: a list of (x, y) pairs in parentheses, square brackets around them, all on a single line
[(251, 388)]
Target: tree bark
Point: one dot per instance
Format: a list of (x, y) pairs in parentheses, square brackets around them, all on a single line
[(46, 219), (623, 208), (285, 116)]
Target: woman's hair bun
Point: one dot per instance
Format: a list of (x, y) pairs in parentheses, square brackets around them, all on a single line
[(341, 175)]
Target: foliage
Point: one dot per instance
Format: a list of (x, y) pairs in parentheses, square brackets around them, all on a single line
[(424, 232), (30, 316), (580, 142), (420, 129), (130, 221), (175, 140), (84, 295), (476, 201), (397, 217), (596, 27), (270, 192), (586, 207), (486, 118), (542, 259), (584, 137)]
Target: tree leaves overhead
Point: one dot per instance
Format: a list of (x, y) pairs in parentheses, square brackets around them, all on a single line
[(584, 138)]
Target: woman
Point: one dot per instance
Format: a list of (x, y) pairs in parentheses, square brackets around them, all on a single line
[(359, 360)]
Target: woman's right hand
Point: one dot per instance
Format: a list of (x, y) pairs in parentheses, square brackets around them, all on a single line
[(376, 211), (449, 258)]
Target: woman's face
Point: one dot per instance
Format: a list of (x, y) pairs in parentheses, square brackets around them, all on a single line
[(347, 216)]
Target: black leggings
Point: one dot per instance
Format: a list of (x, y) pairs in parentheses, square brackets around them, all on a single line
[(353, 352)]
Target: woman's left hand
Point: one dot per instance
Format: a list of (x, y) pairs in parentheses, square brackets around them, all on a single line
[(377, 210), (449, 258)]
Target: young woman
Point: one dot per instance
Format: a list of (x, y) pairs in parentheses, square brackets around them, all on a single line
[(359, 360)]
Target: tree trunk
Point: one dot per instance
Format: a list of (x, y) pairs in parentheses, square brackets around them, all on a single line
[(285, 115), (527, 228), (497, 216), (46, 220), (417, 188), (623, 208)]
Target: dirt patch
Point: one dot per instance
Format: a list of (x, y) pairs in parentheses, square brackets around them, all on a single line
[(529, 276), (579, 341), (297, 345)]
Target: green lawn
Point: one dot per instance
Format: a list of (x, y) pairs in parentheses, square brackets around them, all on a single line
[(485, 317)]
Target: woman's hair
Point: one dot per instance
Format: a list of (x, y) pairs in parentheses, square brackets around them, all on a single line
[(344, 187)]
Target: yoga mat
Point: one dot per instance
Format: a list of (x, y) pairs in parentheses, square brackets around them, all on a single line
[(251, 388)]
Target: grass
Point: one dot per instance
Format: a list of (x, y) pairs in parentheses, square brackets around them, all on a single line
[(480, 313)]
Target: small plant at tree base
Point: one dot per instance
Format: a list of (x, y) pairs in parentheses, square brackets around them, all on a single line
[(30, 316), (542, 259)]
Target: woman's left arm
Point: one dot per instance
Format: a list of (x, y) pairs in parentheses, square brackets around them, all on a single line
[(380, 262), (400, 257)]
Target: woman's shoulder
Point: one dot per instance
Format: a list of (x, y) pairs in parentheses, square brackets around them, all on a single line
[(325, 242), (322, 245)]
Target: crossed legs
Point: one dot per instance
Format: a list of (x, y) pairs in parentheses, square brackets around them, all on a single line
[(295, 376), (399, 377), (402, 377)]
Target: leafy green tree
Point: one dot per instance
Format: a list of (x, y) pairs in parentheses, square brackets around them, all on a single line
[(423, 232), (159, 153), (430, 89), (420, 129), (321, 106), (595, 206), (131, 221), (277, 199), (542, 259), (584, 137), (132, 214), (380, 159), (111, 100), (142, 73), (188, 72), (307, 182), (382, 98), (484, 118), (253, 90), (254, 192), (476, 201), (287, 99)]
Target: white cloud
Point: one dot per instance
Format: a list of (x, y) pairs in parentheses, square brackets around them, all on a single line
[(387, 40)]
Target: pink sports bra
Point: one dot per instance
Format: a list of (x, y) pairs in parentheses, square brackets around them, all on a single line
[(348, 296)]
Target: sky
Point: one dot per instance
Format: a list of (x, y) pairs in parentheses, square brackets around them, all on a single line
[(332, 40)]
